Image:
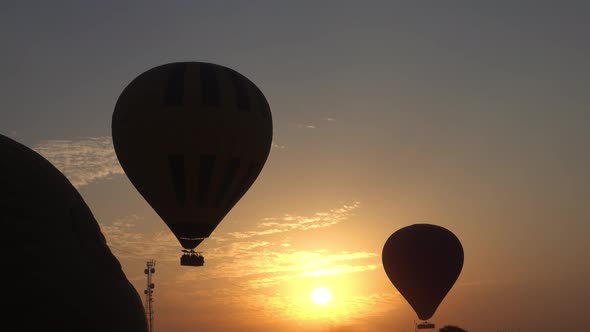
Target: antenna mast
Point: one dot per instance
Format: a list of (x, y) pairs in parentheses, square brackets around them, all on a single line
[(149, 271)]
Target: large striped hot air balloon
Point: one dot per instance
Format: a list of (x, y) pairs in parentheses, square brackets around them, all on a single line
[(192, 137)]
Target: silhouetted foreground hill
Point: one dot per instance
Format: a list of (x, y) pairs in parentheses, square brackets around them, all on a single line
[(59, 274)]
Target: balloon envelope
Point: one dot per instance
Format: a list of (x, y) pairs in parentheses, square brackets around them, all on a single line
[(192, 138), (423, 262)]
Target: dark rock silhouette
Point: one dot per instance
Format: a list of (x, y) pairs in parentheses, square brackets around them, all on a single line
[(58, 272)]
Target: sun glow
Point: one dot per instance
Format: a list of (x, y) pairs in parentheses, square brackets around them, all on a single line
[(321, 296), (320, 288)]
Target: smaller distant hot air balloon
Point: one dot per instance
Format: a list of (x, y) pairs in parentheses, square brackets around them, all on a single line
[(423, 262)]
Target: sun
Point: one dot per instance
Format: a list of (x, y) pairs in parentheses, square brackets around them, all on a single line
[(321, 296)]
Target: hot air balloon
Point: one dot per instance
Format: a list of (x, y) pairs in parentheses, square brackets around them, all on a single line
[(423, 262), (192, 138)]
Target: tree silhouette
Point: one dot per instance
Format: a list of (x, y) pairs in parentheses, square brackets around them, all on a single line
[(451, 328)]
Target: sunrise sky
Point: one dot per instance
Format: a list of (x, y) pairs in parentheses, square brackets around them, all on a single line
[(467, 115)]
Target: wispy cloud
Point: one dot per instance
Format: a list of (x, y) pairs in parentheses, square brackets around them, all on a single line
[(304, 125), (277, 146), (258, 263), (86, 160), (269, 269), (127, 242), (82, 161), (290, 222), (262, 260), (312, 125), (253, 256), (260, 270)]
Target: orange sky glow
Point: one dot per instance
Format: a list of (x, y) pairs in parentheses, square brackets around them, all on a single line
[(472, 116)]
